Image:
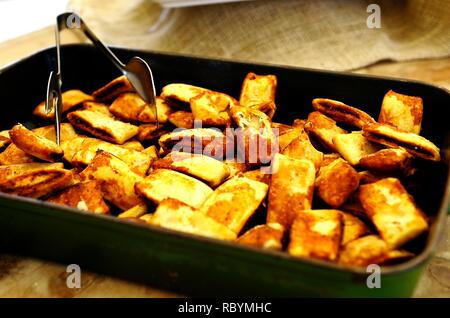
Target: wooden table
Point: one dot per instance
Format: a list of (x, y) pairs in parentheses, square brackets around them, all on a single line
[(27, 277)]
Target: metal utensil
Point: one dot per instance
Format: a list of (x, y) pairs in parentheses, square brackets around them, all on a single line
[(136, 70)]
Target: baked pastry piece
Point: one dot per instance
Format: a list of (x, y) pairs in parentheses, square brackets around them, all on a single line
[(207, 141), (301, 148), (150, 132), (287, 134), (255, 140), (176, 215), (13, 155), (368, 250), (393, 211), (113, 89), (402, 111), (207, 169), (260, 175), (181, 92), (353, 228), (416, 145), (336, 182), (102, 126), (86, 196), (131, 107), (133, 145), (48, 132), (236, 166), (211, 108), (316, 234), (342, 113), (388, 161), (34, 180), (70, 100), (267, 108), (83, 151), (323, 129), (266, 236), (235, 201), (34, 144), (98, 107), (117, 180), (161, 184), (291, 189), (182, 119), (258, 89), (352, 147)]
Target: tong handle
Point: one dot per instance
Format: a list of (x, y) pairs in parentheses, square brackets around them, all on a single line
[(70, 20)]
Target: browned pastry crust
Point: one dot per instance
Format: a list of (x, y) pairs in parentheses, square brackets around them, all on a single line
[(258, 89), (113, 89), (416, 145), (402, 111), (342, 113), (35, 145)]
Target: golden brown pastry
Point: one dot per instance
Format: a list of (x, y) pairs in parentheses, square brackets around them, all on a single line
[(113, 89), (86, 149), (180, 94), (98, 107), (34, 144), (353, 228), (255, 140), (323, 129), (266, 236), (301, 148), (393, 211), (336, 182), (176, 215), (161, 184), (291, 189), (257, 89), (287, 134), (235, 201), (368, 250), (211, 108), (416, 145), (316, 234), (388, 161), (34, 180), (207, 141), (352, 147), (342, 113), (86, 196), (129, 107), (182, 119), (102, 126), (267, 108), (260, 175), (402, 111), (117, 180), (70, 100), (207, 169)]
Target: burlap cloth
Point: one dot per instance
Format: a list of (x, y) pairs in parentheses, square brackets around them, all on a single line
[(319, 34)]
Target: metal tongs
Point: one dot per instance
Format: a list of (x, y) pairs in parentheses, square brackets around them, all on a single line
[(136, 70)]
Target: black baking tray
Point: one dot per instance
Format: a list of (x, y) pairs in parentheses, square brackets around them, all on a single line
[(196, 265)]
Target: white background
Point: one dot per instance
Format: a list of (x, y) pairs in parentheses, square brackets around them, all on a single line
[(18, 17)]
